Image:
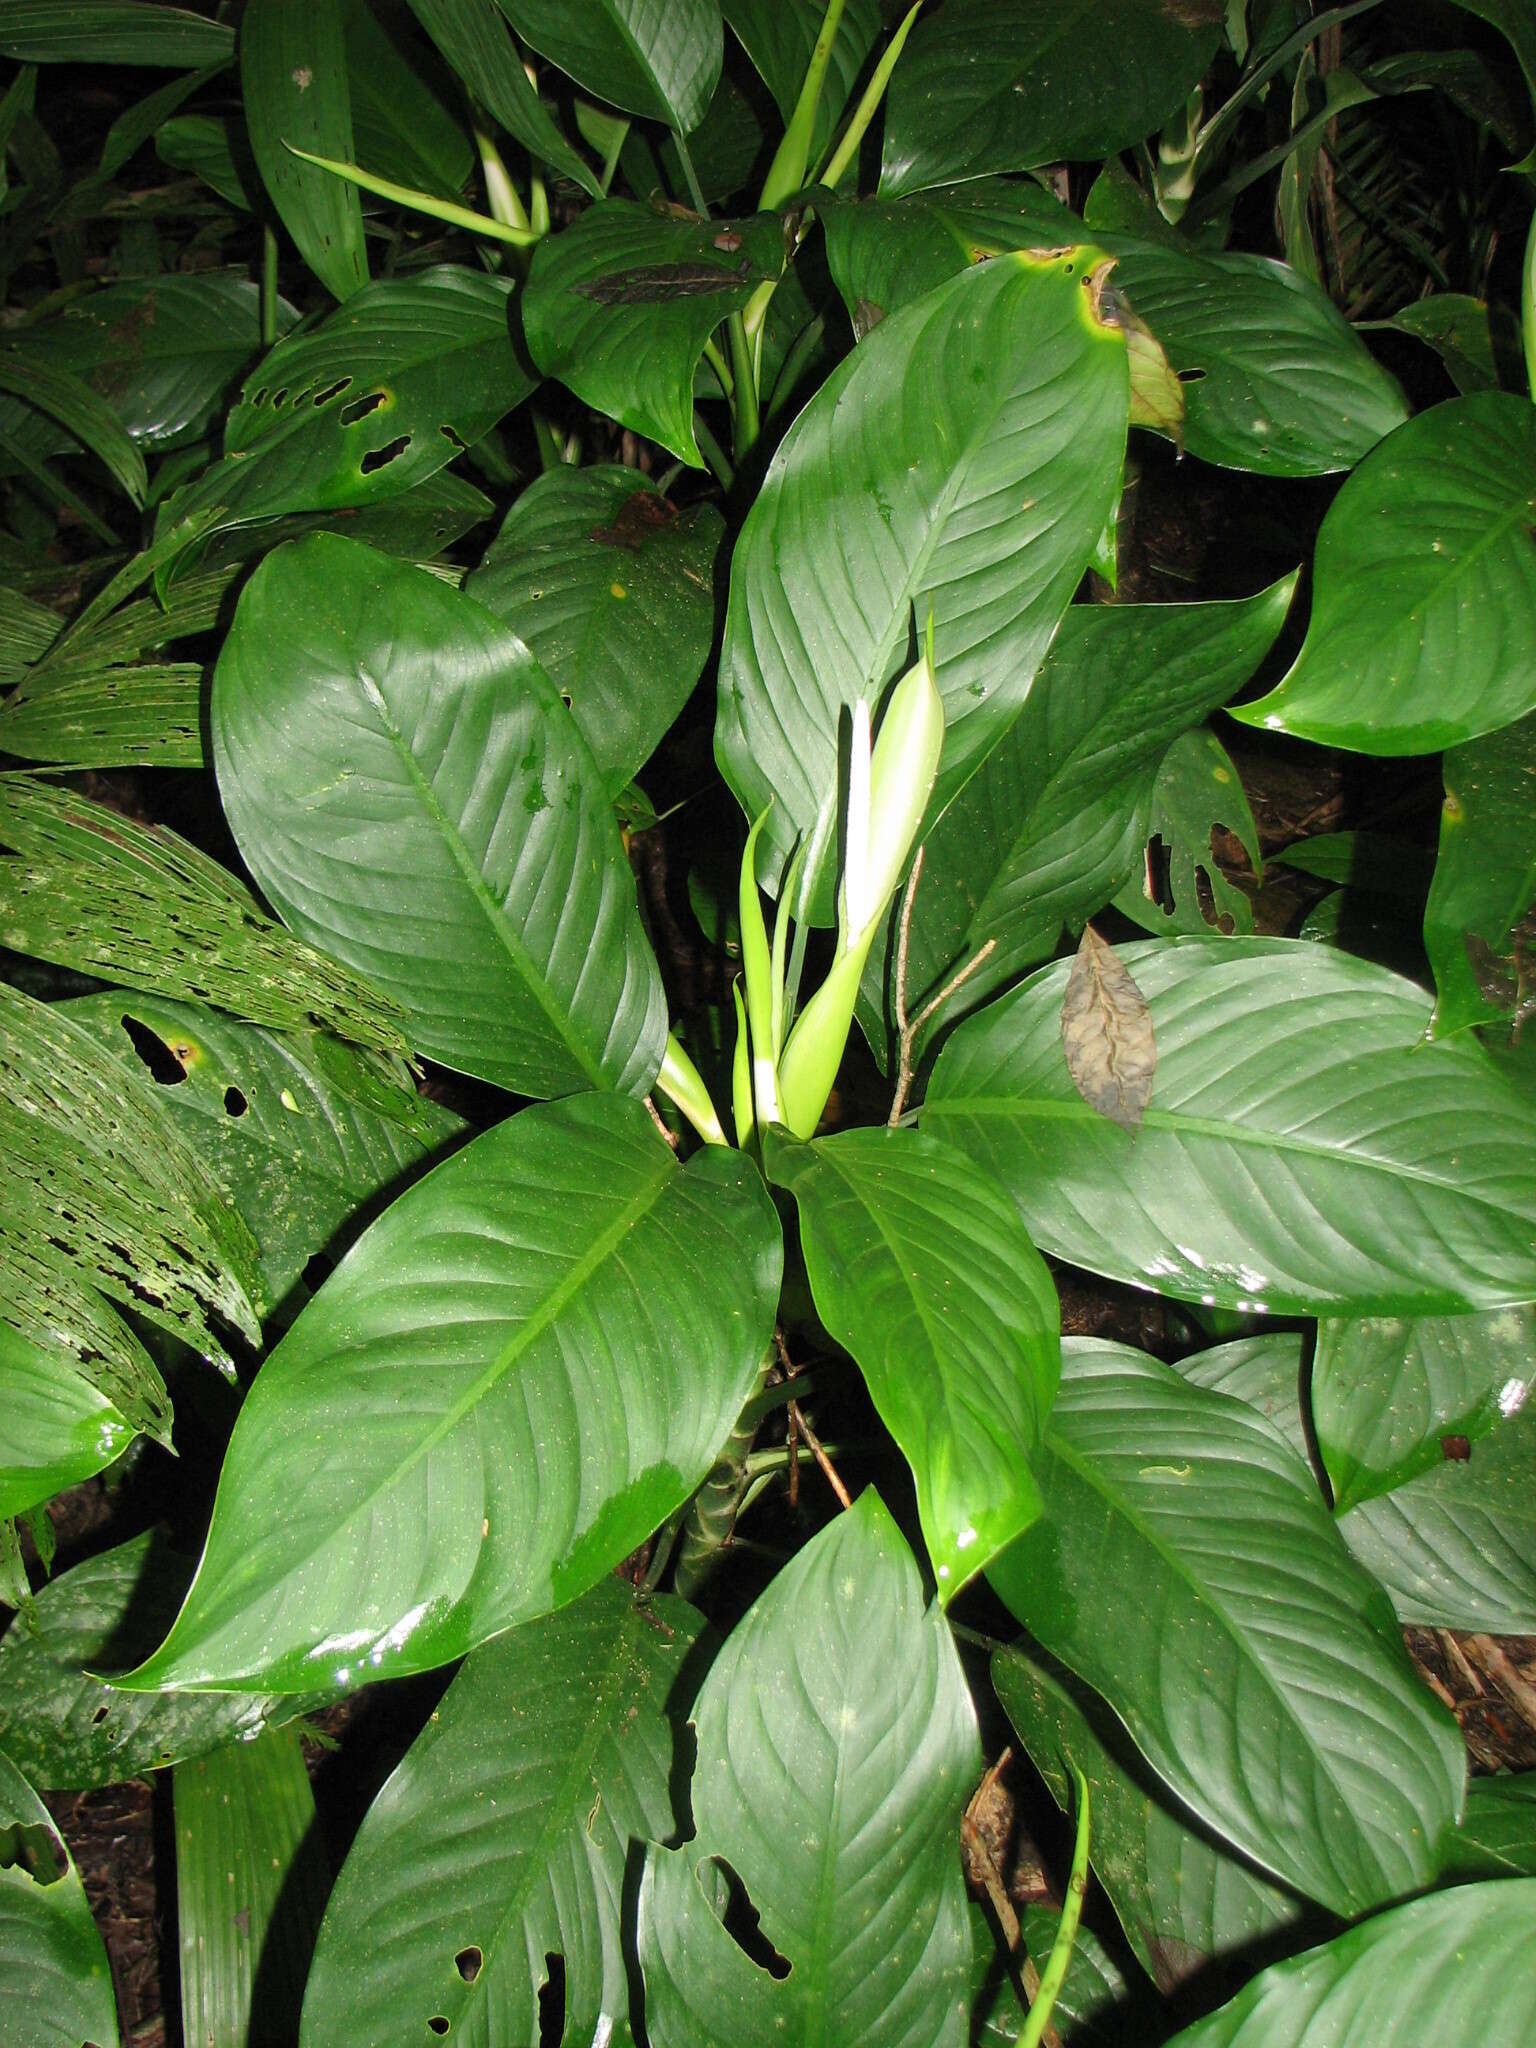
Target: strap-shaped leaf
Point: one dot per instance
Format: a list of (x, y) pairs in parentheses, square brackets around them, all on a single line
[(1478, 921), (836, 1747), (962, 463), (1302, 1152), (515, 1375), (657, 58), (502, 1838), (48, 1299), (1187, 1569), (293, 81), (1453, 1969), (410, 792), (921, 1268), (27, 371), (111, 32), (147, 715), (1423, 627), (58, 1988), (473, 37), (612, 588)]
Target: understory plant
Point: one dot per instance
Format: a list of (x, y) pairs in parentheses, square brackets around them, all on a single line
[(606, 901)]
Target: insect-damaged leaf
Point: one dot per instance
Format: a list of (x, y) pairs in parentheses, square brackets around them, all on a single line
[(1107, 1035)]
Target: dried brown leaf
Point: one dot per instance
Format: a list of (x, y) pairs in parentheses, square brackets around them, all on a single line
[(1106, 1034)]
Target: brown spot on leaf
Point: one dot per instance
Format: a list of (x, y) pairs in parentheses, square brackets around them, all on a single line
[(641, 514)]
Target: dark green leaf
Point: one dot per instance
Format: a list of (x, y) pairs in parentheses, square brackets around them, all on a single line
[(1458, 328), (1186, 1568), (473, 37), (1497, 1836), (400, 127), (408, 789), (612, 588), (661, 62), (293, 78), (779, 36), (1198, 792), (58, 1988), (27, 370), (56, 1426), (117, 717), (1303, 1153), (1096, 2007), (503, 1836), (27, 631), (836, 1747), (1423, 627), (46, 1298), (1478, 932), (214, 148), (530, 1361), (111, 32)]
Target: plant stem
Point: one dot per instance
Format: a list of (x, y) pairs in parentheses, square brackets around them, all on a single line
[(1528, 307), (712, 452), (848, 148), (747, 421), (807, 341), (420, 202), (500, 192), (268, 285), (695, 190), (551, 454)]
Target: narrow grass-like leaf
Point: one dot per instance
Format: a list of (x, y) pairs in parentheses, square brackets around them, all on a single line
[(52, 1963), (111, 32), (779, 36), (48, 1299), (29, 374), (474, 39), (124, 716)]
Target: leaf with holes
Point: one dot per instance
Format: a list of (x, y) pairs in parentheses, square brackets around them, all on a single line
[(620, 304), (46, 1298), (503, 1836), (1423, 627), (530, 1361), (1004, 85), (56, 1426), (376, 399), (147, 716), (408, 789), (921, 1269), (1107, 1034), (660, 62), (836, 1747), (612, 589), (1305, 1154), (58, 1985), (293, 81), (962, 462), (1479, 932), (1187, 1570), (1198, 792)]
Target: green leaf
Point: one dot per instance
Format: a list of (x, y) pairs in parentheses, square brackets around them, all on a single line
[(52, 1963), (1275, 379), (67, 1728), (1460, 331), (1302, 1153), (213, 148), (1198, 792), (1386, 1395), (921, 1269), (612, 589), (836, 1746), (1497, 1836), (504, 1834), (305, 1138), (90, 889), (530, 1360), (27, 631), (1187, 1570), (293, 80), (474, 40), (72, 402), (1485, 879), (56, 1426), (1453, 1969), (961, 463), (1056, 816), (418, 526), (400, 127), (1095, 2008), (377, 399), (408, 789), (779, 36), (111, 32), (620, 305), (1002, 85), (113, 717), (251, 1880), (1423, 627), (661, 62), (48, 1300), (1189, 1906)]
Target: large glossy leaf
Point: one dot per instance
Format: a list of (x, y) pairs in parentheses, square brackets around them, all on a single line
[(620, 305), (1054, 819), (960, 465), (779, 36), (531, 1359), (305, 1137), (836, 1747), (1186, 1568), (251, 1880), (502, 1838), (920, 1268), (373, 401), (1001, 85), (1301, 1153), (111, 32), (656, 58), (1197, 793), (293, 81), (1453, 1969), (58, 1988), (1423, 627), (1497, 1836), (409, 791), (612, 589), (1189, 1906), (1477, 921), (1389, 1396), (66, 1727), (472, 35), (57, 1427)]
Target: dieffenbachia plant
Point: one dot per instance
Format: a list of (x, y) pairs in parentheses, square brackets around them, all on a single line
[(874, 383)]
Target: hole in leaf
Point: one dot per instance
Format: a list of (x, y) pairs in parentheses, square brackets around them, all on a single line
[(100, 1715), (279, 396), (438, 2024), (565, 699), (152, 1049), (1191, 376), (33, 1850), (467, 1962), (1205, 897), (332, 390), (235, 1103), (359, 408), (1159, 887), (380, 458), (454, 440), (552, 2003), (738, 1916), (317, 1270)]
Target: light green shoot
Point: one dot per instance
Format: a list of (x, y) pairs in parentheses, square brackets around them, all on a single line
[(786, 173), (1053, 1976), (421, 202), (681, 1082), (869, 104)]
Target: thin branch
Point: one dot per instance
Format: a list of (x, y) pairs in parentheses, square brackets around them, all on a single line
[(907, 1031), (813, 1443)]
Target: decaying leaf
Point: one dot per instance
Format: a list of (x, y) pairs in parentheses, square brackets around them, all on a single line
[(1106, 1034)]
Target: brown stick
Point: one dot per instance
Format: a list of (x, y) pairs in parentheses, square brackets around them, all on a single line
[(813, 1443)]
